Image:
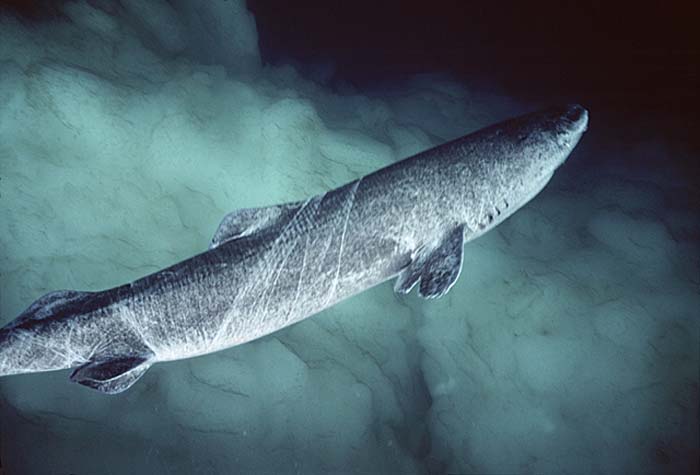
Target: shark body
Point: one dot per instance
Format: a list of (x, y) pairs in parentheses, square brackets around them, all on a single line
[(270, 267)]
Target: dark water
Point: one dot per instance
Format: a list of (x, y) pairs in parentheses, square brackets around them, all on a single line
[(569, 344)]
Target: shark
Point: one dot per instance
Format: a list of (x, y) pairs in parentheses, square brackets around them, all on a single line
[(269, 267)]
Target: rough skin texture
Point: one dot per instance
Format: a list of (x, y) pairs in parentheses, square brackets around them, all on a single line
[(272, 267)]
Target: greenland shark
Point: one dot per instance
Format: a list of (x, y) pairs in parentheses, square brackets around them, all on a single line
[(270, 267)]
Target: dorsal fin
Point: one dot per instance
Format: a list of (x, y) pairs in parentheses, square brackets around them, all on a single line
[(47, 305), (249, 221)]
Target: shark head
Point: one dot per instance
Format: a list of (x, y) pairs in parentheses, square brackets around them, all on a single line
[(521, 156), (548, 137)]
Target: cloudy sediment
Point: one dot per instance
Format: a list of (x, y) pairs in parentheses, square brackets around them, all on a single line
[(569, 344)]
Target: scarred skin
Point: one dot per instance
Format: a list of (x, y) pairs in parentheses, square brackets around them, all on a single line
[(303, 257)]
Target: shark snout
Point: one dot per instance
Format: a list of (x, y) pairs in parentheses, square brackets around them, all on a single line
[(576, 117), (571, 122)]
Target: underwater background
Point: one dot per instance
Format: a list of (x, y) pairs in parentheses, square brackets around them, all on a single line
[(570, 343)]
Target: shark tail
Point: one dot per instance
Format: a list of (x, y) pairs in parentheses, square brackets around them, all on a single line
[(31, 343), (23, 341), (10, 354), (4, 369)]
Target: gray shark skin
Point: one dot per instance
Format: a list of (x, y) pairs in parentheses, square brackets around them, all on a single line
[(270, 267)]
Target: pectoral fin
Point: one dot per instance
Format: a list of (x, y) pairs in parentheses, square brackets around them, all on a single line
[(437, 269), (409, 277), (112, 376)]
